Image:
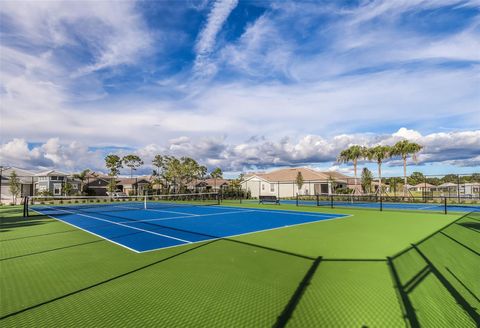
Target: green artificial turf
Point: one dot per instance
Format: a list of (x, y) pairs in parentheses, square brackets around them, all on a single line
[(54, 275)]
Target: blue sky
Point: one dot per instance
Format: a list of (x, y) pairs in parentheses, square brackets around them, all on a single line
[(244, 85)]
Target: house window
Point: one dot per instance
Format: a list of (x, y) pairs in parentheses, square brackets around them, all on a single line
[(57, 189), (272, 187)]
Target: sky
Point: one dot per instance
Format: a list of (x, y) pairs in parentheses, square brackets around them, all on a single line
[(242, 85)]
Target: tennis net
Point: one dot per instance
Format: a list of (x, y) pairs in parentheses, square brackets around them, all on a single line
[(66, 204)]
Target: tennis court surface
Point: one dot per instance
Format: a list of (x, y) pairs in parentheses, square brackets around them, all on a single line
[(142, 228)]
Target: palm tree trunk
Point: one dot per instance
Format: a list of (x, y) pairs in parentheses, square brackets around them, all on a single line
[(380, 178), (404, 176), (355, 173)]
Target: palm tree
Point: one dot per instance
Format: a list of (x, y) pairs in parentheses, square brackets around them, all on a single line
[(404, 148), (82, 176), (353, 153), (379, 154), (216, 174)]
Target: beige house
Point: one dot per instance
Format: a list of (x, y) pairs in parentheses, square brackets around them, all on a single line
[(282, 183), (423, 187), (209, 185)]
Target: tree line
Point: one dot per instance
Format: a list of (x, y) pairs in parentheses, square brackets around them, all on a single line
[(170, 174), (380, 153)]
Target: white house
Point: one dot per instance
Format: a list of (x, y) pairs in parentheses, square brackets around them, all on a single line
[(26, 179), (53, 182), (282, 183)]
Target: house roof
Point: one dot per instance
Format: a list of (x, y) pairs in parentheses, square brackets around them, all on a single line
[(447, 184), (212, 182), (130, 181), (50, 173), (290, 174), (19, 172), (423, 185)]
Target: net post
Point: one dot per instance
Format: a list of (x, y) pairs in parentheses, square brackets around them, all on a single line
[(145, 202), (297, 199), (25, 206)]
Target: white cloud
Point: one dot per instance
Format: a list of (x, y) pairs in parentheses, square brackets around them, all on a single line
[(206, 39), (453, 148)]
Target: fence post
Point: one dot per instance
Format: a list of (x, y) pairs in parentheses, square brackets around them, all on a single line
[(331, 201), (381, 203), (297, 199), (445, 204), (458, 188), (318, 199)]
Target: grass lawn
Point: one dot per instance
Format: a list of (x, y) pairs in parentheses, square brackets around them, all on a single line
[(325, 274)]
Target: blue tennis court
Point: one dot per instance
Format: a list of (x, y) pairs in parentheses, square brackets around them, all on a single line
[(142, 230)]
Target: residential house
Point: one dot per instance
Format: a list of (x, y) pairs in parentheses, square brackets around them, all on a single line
[(423, 187), (97, 184), (133, 186), (282, 183), (25, 177), (53, 182), (209, 185)]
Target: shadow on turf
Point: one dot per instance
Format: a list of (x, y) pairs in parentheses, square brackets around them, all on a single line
[(9, 223), (471, 225), (404, 290), (430, 268)]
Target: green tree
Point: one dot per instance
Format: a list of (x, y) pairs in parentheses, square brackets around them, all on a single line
[(405, 148), (379, 154), (416, 178), (113, 163), (67, 188), (14, 186), (216, 174), (82, 176), (353, 154), (299, 180), (366, 180), (133, 162)]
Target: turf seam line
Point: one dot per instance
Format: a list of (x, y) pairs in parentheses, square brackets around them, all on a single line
[(461, 244), (405, 303), (297, 295), (453, 292), (104, 281)]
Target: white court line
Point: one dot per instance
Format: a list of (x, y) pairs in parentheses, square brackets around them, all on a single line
[(248, 233), (239, 210), (102, 237), (124, 225), (186, 217)]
